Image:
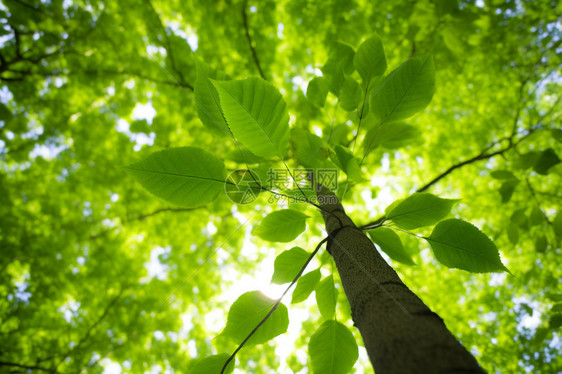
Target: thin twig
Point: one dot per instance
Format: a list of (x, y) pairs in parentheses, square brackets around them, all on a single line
[(249, 38), (276, 304)]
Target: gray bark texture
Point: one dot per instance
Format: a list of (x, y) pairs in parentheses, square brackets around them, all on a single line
[(401, 334)]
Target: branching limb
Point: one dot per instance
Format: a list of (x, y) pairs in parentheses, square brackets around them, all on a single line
[(167, 43), (276, 305), (26, 367)]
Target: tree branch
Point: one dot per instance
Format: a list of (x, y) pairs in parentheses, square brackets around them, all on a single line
[(249, 38), (27, 367), (167, 44), (142, 217)]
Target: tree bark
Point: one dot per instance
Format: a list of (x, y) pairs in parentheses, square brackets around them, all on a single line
[(401, 334)]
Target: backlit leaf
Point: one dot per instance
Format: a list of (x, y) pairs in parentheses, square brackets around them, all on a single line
[(281, 226), (305, 285), (185, 176), (326, 297), (369, 59), (256, 115), (459, 244), (420, 209), (288, 264), (247, 311), (332, 349), (390, 243), (406, 91)]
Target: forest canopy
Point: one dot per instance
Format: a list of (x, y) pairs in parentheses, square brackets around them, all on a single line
[(99, 275)]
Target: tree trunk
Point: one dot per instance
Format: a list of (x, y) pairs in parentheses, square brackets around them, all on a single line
[(401, 334)]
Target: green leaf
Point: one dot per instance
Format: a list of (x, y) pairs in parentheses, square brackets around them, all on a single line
[(554, 296), (342, 54), (541, 244), (556, 308), (311, 150), (406, 91), (247, 311), (527, 160), (507, 188), (370, 60), (556, 134), (256, 114), (305, 285), (212, 365), (555, 321), (547, 159), (420, 209), (185, 176), (391, 136), (459, 244), (317, 90), (557, 225), (288, 264), (513, 233), (207, 98), (332, 349), (390, 243), (350, 95), (536, 217), (502, 174), (281, 226), (326, 297), (520, 218), (344, 159)]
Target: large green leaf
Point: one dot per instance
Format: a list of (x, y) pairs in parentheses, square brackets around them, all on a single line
[(185, 176), (317, 90), (247, 311), (391, 136), (420, 209), (406, 91), (332, 349), (256, 114), (369, 59), (207, 98), (212, 365), (311, 150), (459, 244), (350, 95), (288, 264), (390, 243), (547, 159), (344, 159), (281, 226), (326, 297), (305, 285)]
